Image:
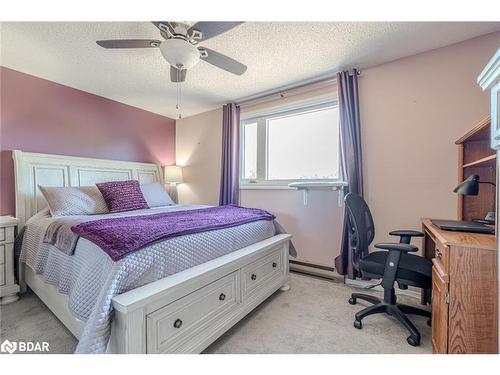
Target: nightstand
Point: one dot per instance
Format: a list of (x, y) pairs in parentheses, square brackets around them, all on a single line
[(8, 286)]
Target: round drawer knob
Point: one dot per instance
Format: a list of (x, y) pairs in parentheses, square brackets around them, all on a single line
[(178, 323), (274, 265), (222, 297), (253, 277)]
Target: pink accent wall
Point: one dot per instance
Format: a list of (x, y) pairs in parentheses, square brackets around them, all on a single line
[(37, 115)]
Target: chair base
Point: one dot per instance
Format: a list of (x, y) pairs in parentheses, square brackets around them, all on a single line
[(390, 307)]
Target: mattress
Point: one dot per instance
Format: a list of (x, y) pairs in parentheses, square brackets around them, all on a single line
[(91, 278)]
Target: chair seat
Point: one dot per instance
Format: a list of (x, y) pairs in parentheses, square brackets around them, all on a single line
[(413, 269)]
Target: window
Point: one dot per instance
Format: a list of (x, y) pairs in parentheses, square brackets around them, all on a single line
[(294, 145)]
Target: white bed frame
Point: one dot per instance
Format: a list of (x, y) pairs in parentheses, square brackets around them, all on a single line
[(182, 313)]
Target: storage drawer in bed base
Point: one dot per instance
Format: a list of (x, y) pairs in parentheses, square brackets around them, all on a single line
[(186, 312)]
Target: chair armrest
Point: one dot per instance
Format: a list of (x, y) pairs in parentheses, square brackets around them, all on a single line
[(410, 233), (405, 236), (402, 247)]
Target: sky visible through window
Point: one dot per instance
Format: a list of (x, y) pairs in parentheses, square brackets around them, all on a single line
[(300, 146), (250, 151)]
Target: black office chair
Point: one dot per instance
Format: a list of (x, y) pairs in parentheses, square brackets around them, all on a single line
[(394, 265)]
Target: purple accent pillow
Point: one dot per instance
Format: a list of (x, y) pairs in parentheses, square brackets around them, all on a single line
[(123, 195)]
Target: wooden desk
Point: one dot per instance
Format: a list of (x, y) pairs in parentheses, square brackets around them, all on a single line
[(464, 294)]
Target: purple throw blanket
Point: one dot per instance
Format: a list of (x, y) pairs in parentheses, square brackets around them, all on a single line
[(121, 236)]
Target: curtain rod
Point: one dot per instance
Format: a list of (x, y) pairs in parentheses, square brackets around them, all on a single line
[(287, 91)]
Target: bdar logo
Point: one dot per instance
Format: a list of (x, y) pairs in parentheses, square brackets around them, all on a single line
[(24, 346), (8, 346)]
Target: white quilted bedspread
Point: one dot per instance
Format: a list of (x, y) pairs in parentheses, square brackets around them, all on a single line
[(91, 279)]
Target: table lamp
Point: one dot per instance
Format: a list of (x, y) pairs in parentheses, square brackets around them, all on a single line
[(470, 186), (173, 177)]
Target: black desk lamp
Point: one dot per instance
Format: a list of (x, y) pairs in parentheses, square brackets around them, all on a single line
[(471, 187)]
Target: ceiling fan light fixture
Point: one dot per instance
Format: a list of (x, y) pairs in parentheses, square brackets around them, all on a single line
[(180, 53)]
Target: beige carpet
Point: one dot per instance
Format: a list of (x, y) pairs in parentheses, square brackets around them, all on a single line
[(312, 317)]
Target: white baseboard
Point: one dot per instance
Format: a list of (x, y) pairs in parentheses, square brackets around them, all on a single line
[(329, 274), (311, 270)]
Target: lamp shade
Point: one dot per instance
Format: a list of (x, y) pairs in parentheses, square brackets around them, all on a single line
[(179, 53), (173, 174), (469, 187)]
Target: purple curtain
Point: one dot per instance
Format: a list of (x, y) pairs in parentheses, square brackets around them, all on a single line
[(230, 178), (350, 157)]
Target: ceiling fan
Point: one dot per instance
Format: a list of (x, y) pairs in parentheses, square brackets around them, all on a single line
[(180, 46)]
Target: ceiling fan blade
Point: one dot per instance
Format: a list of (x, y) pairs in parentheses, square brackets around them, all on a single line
[(129, 43), (177, 75), (222, 61), (209, 29)]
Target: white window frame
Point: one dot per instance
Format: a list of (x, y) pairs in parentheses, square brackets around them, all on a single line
[(262, 138)]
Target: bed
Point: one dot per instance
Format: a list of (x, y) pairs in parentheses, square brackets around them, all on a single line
[(137, 304)]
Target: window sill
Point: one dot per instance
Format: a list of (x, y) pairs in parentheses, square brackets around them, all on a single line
[(317, 185), (304, 186), (310, 185), (265, 187)]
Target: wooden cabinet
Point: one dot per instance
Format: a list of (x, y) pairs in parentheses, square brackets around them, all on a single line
[(489, 79), (440, 301), (464, 294), (476, 157)]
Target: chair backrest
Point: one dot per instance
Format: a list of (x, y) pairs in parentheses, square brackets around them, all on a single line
[(361, 227)]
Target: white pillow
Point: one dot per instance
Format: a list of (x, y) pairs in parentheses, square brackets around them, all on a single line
[(83, 200), (155, 195)]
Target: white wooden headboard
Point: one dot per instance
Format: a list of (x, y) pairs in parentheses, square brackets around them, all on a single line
[(32, 169)]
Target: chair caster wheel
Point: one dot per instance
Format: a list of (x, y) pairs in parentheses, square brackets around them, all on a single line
[(352, 301), (413, 341), (357, 324), (429, 322)]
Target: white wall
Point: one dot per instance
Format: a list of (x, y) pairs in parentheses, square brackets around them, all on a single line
[(412, 111), (199, 149), (314, 227)]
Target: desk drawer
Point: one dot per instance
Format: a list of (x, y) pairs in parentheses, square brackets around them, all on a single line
[(169, 328), (437, 249), (2, 274), (442, 254), (2, 254), (262, 271)]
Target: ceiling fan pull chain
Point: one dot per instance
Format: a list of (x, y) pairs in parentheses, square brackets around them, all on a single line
[(178, 106), (180, 100), (177, 90)]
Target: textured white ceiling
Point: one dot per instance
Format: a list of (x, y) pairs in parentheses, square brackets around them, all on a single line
[(276, 53)]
